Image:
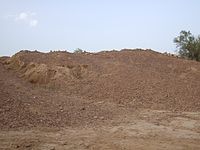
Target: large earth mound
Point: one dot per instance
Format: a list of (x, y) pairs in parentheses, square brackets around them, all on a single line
[(73, 89)]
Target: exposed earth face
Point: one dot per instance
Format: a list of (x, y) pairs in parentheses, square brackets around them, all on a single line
[(132, 99)]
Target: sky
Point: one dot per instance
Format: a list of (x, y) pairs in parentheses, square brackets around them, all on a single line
[(95, 25)]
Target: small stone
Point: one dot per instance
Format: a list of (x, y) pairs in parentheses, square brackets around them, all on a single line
[(121, 105), (64, 143), (102, 118), (87, 145), (100, 102), (28, 145), (95, 117)]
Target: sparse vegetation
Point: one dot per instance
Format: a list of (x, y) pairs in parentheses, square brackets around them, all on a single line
[(188, 45), (78, 50)]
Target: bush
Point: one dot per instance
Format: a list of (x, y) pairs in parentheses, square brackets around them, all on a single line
[(78, 50)]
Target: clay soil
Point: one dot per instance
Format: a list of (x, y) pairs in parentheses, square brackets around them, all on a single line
[(128, 99)]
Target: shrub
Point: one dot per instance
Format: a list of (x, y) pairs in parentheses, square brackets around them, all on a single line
[(78, 50)]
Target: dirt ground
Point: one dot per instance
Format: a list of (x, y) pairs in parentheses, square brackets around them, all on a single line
[(144, 130), (131, 99)]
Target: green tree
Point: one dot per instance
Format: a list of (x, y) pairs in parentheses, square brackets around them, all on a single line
[(188, 45)]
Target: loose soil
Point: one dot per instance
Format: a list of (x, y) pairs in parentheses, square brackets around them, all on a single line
[(128, 99)]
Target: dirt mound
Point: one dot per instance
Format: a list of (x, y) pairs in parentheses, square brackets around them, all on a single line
[(40, 73), (69, 89)]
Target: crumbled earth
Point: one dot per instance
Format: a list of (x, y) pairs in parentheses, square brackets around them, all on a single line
[(99, 101)]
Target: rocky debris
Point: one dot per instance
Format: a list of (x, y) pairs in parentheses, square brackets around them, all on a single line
[(59, 89)]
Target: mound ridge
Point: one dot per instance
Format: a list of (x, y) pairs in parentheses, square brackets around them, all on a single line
[(61, 88)]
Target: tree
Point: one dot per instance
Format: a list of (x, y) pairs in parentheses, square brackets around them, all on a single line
[(188, 45)]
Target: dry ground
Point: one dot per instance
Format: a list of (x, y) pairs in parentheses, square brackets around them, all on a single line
[(132, 99), (144, 130)]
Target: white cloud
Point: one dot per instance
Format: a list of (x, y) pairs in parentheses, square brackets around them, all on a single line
[(33, 23), (27, 18), (22, 16)]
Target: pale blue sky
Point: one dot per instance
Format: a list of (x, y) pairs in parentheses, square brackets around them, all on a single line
[(95, 25)]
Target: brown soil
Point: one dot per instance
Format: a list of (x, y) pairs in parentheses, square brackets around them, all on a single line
[(99, 101)]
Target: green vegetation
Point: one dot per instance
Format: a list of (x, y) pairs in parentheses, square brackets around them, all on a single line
[(188, 45), (78, 50)]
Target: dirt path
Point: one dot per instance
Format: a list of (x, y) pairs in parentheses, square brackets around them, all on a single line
[(149, 130)]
